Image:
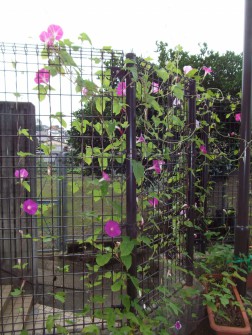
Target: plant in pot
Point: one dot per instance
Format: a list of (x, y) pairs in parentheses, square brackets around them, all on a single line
[(225, 309)]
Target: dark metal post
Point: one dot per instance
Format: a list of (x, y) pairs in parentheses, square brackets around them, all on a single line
[(205, 172), (62, 200), (131, 205), (242, 230), (191, 181)]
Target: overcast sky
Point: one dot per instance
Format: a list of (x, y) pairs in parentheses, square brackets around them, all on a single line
[(129, 25)]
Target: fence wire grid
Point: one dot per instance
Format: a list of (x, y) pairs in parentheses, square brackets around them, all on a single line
[(49, 257)]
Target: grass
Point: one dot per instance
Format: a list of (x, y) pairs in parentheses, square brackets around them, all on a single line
[(88, 205)]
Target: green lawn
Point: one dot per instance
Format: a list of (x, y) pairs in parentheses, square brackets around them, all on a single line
[(85, 210)]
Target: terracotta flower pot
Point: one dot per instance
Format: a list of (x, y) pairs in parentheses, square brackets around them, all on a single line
[(228, 330)]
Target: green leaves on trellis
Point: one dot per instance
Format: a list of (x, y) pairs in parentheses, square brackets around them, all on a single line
[(47, 149), (91, 329), (126, 247), (16, 292), (42, 91), (100, 104), (25, 132), (103, 259), (59, 117), (84, 37), (66, 58), (163, 74), (60, 296), (80, 126), (138, 171), (178, 91)]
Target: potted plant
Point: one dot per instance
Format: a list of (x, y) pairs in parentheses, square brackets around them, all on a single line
[(225, 309), (218, 271)]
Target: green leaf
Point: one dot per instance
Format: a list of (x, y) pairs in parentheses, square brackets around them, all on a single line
[(127, 261), (126, 246), (104, 188), (16, 293), (46, 149), (176, 121), (98, 127), (61, 329), (135, 281), (24, 332), (26, 185), (155, 105), (107, 47), (117, 285), (74, 186), (178, 91), (84, 37), (98, 299), (126, 301), (60, 296), (49, 323), (17, 95), (116, 107), (88, 156), (25, 132), (138, 170), (24, 154), (42, 92), (91, 329), (163, 74), (59, 117), (100, 104), (134, 72), (66, 58), (102, 259), (191, 73)]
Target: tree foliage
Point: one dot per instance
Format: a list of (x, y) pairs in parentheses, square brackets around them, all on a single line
[(227, 68)]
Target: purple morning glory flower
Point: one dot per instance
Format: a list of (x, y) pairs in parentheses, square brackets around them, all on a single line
[(22, 173), (121, 89), (178, 325), (30, 207), (153, 202), (112, 228)]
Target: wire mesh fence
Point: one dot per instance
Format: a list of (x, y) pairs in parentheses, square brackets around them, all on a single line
[(58, 154)]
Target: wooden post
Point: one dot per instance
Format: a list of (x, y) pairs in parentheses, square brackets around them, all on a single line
[(14, 224)]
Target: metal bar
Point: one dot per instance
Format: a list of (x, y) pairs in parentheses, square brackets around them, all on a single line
[(131, 205), (191, 181), (205, 173), (242, 230)]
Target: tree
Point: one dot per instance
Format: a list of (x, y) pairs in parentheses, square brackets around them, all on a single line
[(227, 68)]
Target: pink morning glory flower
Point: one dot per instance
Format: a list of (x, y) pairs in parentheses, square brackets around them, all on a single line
[(42, 76), (187, 68), (84, 91), (22, 173), (157, 165), (238, 117), (105, 177), (140, 139), (30, 207), (53, 33), (121, 89), (154, 87), (203, 149), (177, 325), (112, 228), (207, 70), (153, 202)]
